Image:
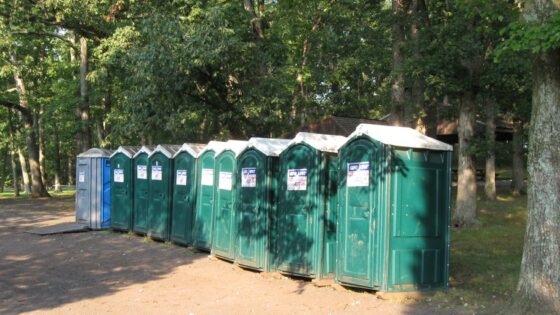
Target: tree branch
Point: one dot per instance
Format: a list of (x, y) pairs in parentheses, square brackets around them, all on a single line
[(54, 35), (8, 104)]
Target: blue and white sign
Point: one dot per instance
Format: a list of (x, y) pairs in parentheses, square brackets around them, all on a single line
[(142, 172), (118, 175), (207, 177), (249, 177), (297, 179), (181, 179), (225, 181), (156, 172), (358, 174)]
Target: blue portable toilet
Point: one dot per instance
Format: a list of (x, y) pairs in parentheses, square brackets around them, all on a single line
[(93, 189)]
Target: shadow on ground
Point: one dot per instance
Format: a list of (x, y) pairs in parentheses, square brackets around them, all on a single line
[(38, 273)]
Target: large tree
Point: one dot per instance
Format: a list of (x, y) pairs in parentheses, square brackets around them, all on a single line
[(539, 282)]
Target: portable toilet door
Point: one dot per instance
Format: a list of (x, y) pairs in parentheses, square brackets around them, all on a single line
[(394, 208), (184, 193), (140, 214), (122, 188), (202, 237), (160, 179), (93, 189), (305, 238), (225, 173), (257, 169)]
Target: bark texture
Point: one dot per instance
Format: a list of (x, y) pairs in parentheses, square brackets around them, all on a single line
[(518, 169), (465, 211), (57, 163), (398, 98), (24, 172), (490, 174), (12, 148), (539, 282), (29, 124), (84, 138)]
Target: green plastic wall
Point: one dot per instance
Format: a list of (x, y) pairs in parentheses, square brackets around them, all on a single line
[(122, 193)]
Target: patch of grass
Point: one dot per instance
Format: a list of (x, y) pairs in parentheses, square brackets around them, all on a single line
[(503, 173), (485, 261), (147, 239), (63, 194), (105, 232)]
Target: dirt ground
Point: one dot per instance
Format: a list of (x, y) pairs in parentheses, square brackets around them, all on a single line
[(106, 272)]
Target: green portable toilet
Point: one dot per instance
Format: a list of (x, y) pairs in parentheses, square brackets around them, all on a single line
[(394, 208), (225, 172), (305, 231), (257, 168), (122, 188), (184, 193), (160, 179), (140, 213), (203, 217)]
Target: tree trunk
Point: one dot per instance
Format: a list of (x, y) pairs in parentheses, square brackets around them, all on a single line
[(14, 173), (398, 106), (37, 187), (465, 211), (12, 147), (24, 172), (57, 156), (71, 170), (5, 154), (518, 168), (84, 142), (41, 134), (539, 280), (490, 177)]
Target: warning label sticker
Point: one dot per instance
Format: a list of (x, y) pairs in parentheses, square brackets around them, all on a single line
[(297, 179), (181, 179), (249, 177), (118, 175), (207, 177), (358, 174), (225, 181), (156, 172), (142, 172), (82, 177)]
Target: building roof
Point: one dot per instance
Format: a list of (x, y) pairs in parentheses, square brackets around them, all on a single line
[(400, 137), (129, 151), (235, 146), (168, 150), (146, 149), (268, 146), (216, 146), (321, 142), (191, 148), (96, 152)]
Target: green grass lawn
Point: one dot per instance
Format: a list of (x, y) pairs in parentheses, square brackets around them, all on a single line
[(10, 194), (485, 261)]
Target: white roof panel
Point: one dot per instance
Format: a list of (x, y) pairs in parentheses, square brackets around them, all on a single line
[(147, 149), (168, 150), (268, 146), (96, 152), (216, 146), (236, 146), (192, 148), (400, 137), (129, 151), (321, 142)]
